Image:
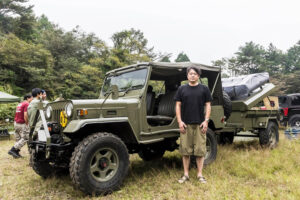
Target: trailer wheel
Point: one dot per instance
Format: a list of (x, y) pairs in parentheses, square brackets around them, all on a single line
[(269, 137), (227, 105)]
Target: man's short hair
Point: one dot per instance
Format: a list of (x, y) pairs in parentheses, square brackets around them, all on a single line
[(36, 91), (196, 69), (27, 96), (43, 91)]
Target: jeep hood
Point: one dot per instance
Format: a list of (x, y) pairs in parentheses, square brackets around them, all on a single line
[(89, 102)]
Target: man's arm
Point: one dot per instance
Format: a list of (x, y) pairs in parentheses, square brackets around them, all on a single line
[(204, 124), (26, 118), (207, 110), (181, 124)]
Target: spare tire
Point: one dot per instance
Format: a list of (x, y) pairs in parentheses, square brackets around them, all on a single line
[(166, 105), (227, 105)]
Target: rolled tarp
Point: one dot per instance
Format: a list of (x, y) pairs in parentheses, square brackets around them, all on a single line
[(241, 87)]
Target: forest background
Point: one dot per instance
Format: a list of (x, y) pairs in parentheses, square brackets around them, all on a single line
[(34, 52)]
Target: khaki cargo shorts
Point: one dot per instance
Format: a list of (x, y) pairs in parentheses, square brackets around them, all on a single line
[(193, 141)]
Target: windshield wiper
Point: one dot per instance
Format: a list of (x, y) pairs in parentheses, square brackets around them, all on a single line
[(133, 87)]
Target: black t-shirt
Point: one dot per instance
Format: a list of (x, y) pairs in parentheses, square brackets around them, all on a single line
[(193, 99)]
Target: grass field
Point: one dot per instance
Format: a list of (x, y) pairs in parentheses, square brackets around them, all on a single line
[(241, 171)]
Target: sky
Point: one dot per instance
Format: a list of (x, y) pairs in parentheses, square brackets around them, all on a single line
[(205, 30)]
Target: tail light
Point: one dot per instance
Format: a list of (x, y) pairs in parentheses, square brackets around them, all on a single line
[(285, 111)]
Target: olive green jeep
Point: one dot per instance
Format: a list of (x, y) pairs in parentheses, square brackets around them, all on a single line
[(135, 113)]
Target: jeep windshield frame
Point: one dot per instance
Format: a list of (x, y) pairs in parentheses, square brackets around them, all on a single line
[(126, 80)]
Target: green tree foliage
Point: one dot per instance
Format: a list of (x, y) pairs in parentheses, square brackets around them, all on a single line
[(82, 84), (254, 58), (280, 81), (17, 18), (73, 51), (249, 58), (7, 111), (293, 82), (129, 47), (274, 60), (293, 58), (34, 52), (23, 65), (165, 59), (182, 57), (286, 83)]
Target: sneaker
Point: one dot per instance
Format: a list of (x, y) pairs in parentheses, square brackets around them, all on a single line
[(183, 179), (202, 179), (14, 152)]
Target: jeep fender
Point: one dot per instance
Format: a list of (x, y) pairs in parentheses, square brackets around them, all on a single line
[(112, 125), (75, 125)]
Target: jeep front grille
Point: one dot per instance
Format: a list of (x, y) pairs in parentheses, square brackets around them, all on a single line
[(57, 107), (56, 115)]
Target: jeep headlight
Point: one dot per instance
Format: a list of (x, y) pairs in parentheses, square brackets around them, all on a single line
[(48, 112), (69, 109)]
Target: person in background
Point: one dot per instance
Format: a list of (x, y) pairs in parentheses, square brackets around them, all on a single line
[(21, 126), (44, 97)]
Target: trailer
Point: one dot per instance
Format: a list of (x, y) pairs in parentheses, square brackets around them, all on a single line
[(257, 114)]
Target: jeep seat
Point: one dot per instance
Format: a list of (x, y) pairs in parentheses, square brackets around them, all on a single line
[(166, 110), (150, 100)]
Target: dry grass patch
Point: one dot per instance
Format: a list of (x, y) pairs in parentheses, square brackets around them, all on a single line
[(241, 171)]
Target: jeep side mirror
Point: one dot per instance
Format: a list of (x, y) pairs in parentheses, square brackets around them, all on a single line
[(114, 91)]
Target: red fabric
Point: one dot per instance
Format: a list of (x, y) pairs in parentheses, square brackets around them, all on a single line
[(21, 108)]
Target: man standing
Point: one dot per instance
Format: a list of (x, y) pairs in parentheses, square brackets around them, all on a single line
[(33, 108), (190, 100), (21, 127)]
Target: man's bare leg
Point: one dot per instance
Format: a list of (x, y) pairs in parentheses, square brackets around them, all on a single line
[(186, 164), (200, 162)]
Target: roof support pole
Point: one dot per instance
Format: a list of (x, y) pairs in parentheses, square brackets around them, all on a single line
[(213, 90)]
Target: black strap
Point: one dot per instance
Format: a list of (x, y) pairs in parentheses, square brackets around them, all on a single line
[(37, 114)]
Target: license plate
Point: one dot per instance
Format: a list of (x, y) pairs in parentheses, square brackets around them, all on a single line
[(42, 136)]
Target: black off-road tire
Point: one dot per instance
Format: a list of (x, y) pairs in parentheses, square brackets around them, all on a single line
[(148, 154), (84, 155), (295, 121), (269, 137), (42, 168), (227, 105), (225, 138), (211, 143)]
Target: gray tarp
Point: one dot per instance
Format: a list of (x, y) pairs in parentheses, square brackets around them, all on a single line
[(240, 87), (8, 98)]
